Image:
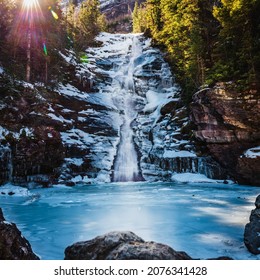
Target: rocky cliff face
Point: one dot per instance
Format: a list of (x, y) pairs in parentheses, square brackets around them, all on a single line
[(228, 126), (72, 133), (119, 14)]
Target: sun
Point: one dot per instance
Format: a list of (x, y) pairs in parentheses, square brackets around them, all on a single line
[(30, 3)]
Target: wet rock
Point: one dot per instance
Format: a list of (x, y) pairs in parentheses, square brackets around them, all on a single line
[(252, 230), (122, 246), (13, 246)]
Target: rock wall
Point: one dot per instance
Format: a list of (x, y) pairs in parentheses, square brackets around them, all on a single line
[(227, 124), (13, 246)]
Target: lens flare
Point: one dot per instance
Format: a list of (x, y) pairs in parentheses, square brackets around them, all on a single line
[(30, 3), (45, 49), (53, 13), (84, 58)]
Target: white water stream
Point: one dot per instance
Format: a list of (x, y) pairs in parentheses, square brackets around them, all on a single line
[(126, 164)]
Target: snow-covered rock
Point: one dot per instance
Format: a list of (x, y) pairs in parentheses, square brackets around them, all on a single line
[(74, 133)]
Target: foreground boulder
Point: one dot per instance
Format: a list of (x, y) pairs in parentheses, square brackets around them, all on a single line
[(13, 246), (121, 246), (252, 230)]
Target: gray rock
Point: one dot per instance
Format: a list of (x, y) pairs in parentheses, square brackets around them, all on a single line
[(13, 246), (1, 215), (146, 251), (252, 230), (121, 246), (257, 202)]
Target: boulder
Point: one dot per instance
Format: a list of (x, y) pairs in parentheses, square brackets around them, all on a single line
[(252, 230), (13, 246), (121, 246)]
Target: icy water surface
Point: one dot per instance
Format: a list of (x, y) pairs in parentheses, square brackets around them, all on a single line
[(205, 220)]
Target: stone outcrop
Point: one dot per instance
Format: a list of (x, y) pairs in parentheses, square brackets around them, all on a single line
[(252, 230), (228, 125), (119, 14), (13, 246), (122, 246)]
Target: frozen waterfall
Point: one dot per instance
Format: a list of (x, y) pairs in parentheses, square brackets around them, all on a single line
[(126, 163), (138, 128)]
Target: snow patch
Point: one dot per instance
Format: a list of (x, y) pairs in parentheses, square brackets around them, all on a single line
[(69, 58), (28, 132), (191, 178), (252, 152), (72, 91), (58, 118), (75, 161), (174, 154), (9, 189), (77, 137), (6, 223)]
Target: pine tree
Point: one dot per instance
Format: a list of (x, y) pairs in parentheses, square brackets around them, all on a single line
[(8, 13), (136, 18), (236, 40), (84, 23)]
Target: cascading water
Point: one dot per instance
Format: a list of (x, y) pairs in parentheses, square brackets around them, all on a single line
[(126, 163)]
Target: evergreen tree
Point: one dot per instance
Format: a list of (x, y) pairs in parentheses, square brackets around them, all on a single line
[(206, 41), (8, 13), (136, 18), (84, 23), (236, 40)]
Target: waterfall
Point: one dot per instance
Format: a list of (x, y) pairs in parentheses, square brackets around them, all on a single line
[(126, 162)]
